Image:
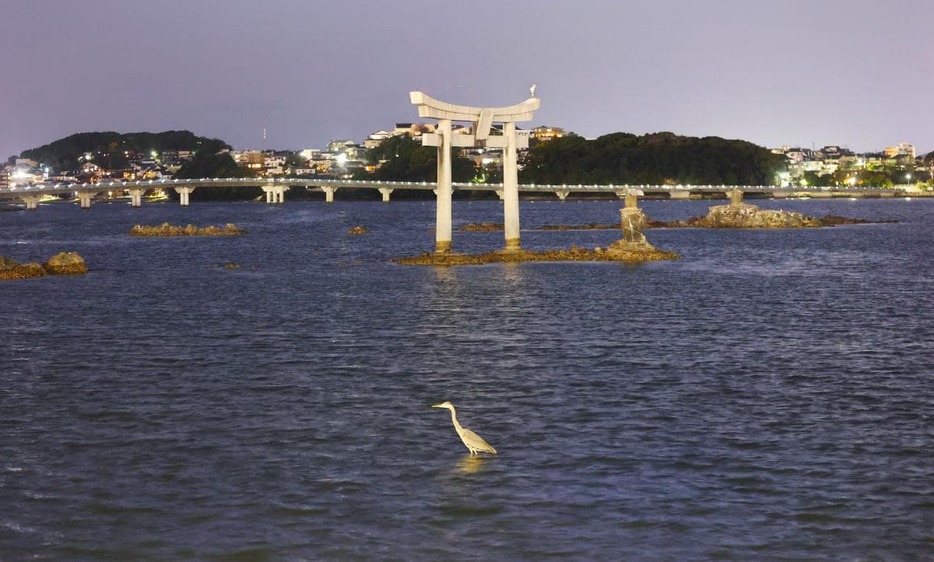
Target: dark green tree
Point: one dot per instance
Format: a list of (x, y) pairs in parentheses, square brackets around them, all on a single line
[(213, 160), (814, 180), (294, 161), (403, 158)]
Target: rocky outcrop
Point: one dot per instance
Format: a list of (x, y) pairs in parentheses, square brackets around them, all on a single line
[(721, 217), (64, 263), (588, 226), (631, 248), (166, 229), (620, 251), (744, 215)]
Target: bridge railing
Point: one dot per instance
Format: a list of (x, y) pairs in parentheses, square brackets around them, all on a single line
[(66, 188)]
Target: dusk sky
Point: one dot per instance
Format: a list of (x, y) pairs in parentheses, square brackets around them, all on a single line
[(855, 73)]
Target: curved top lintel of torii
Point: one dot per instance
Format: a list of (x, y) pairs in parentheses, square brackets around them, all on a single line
[(436, 109)]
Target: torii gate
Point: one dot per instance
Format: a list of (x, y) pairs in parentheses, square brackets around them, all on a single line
[(482, 119)]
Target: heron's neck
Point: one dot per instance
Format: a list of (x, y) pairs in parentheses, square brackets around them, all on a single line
[(454, 419)]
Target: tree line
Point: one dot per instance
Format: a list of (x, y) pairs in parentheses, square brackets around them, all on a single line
[(109, 149), (618, 158), (652, 159)]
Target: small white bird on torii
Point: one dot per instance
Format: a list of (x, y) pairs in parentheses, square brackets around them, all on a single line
[(532, 89)]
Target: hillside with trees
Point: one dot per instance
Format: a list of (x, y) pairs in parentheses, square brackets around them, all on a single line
[(403, 158), (213, 160), (657, 158), (110, 149)]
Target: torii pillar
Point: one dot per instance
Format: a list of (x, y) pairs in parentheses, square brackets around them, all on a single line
[(482, 119)]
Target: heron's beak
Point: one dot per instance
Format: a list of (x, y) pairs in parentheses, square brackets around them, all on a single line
[(437, 405)]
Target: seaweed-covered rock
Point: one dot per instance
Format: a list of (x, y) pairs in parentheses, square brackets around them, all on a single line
[(166, 229), (621, 252), (63, 263), (10, 269), (66, 263), (750, 216), (7, 263)]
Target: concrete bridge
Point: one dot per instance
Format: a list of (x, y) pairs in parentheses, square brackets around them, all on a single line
[(276, 189)]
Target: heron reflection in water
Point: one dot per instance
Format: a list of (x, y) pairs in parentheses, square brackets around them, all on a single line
[(474, 442), (471, 464)]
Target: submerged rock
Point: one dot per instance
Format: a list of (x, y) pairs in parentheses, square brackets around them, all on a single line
[(166, 229), (481, 227), (22, 271)]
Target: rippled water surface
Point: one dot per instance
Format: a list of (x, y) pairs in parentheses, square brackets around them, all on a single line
[(770, 395)]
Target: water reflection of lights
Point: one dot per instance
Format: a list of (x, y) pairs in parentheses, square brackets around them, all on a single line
[(471, 464)]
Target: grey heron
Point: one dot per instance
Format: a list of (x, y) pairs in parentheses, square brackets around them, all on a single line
[(474, 442)]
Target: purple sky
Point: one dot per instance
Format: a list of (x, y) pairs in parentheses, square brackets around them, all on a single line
[(856, 73)]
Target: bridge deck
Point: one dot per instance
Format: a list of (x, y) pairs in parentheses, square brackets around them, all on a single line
[(63, 189)]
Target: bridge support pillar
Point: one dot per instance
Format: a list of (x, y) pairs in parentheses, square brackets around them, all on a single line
[(328, 193), (184, 193), (84, 198), (274, 193), (385, 192), (32, 202), (562, 193), (136, 197), (736, 197)]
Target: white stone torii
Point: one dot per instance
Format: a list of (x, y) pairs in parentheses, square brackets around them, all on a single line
[(482, 119)]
